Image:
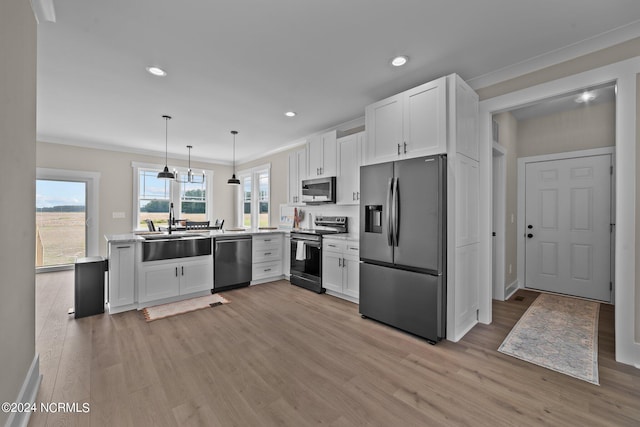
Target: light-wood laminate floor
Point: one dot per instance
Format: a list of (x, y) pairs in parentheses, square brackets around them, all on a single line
[(278, 355)]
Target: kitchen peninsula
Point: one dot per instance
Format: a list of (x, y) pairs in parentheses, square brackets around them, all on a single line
[(156, 268)]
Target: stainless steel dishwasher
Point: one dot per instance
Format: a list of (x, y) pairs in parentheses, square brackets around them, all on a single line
[(232, 262)]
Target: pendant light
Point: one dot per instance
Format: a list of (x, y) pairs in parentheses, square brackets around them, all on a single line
[(191, 178), (233, 180), (165, 174)]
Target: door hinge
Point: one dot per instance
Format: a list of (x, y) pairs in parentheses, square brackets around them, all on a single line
[(610, 286), (611, 170)]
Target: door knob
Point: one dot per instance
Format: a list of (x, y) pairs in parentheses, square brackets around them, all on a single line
[(529, 235)]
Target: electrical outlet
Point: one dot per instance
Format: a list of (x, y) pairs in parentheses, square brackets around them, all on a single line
[(118, 215)]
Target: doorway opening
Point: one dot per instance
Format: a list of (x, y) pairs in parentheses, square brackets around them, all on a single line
[(61, 217), (580, 121), (66, 218)]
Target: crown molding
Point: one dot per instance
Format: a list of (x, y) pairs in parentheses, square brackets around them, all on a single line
[(44, 11), (583, 47)]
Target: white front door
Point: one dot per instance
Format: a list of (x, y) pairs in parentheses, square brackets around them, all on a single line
[(567, 226)]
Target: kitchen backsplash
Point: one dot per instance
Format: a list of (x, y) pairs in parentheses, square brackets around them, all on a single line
[(352, 212)]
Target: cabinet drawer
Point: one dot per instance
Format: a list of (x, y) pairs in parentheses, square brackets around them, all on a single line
[(333, 245), (267, 254), (266, 242), (266, 269), (353, 248)]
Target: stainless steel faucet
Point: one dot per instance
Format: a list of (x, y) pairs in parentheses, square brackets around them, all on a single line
[(171, 217)]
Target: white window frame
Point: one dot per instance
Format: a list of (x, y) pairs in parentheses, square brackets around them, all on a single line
[(254, 172), (92, 181), (174, 191)]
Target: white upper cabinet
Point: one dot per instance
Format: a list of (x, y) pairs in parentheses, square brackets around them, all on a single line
[(297, 172), (321, 155), (410, 124), (384, 129), (349, 161)]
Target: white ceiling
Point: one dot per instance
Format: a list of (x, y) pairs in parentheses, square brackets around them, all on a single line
[(565, 102), (241, 64)]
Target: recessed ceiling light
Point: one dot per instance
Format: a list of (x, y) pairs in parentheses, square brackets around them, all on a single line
[(290, 114), (156, 71), (586, 97), (399, 61)]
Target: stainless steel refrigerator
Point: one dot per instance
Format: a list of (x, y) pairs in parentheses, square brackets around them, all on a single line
[(403, 232)]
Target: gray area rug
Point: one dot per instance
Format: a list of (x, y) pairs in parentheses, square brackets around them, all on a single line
[(558, 333)]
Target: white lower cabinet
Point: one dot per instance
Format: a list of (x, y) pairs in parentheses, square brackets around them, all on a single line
[(163, 279), (341, 268), (266, 257), (122, 277)]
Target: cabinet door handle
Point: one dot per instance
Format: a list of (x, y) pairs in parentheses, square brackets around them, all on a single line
[(358, 195), (266, 240), (176, 271), (267, 253), (354, 249), (398, 149), (267, 269), (405, 147), (123, 247), (182, 270), (332, 246), (339, 262), (343, 263)]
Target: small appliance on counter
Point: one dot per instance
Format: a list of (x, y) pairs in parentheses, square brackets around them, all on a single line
[(306, 251)]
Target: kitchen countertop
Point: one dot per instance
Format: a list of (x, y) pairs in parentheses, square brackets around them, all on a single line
[(133, 237), (347, 237)]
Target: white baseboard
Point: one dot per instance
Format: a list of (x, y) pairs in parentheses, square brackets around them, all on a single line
[(28, 393), (463, 332), (511, 289)]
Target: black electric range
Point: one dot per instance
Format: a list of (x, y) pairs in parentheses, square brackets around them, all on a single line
[(306, 251)]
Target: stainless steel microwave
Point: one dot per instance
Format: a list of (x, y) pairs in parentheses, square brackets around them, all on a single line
[(319, 190)]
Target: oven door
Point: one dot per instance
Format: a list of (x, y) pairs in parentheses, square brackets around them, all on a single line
[(311, 266)]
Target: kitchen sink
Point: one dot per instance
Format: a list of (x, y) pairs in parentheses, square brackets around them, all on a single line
[(180, 246), (162, 236)]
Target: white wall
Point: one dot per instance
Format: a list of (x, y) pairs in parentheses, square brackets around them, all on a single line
[(591, 126), (508, 139), (17, 202), (116, 182)]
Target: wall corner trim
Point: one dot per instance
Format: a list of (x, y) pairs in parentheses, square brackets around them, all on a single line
[(28, 393)]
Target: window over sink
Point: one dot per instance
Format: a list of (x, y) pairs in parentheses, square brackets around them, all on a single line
[(153, 196)]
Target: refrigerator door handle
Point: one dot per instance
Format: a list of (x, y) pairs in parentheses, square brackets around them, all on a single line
[(389, 217), (395, 213)]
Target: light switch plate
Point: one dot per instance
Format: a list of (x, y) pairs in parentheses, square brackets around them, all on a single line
[(118, 215)]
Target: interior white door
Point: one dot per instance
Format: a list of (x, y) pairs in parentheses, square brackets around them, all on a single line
[(567, 226)]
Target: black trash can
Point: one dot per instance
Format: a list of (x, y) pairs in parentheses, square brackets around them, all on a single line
[(89, 286)]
